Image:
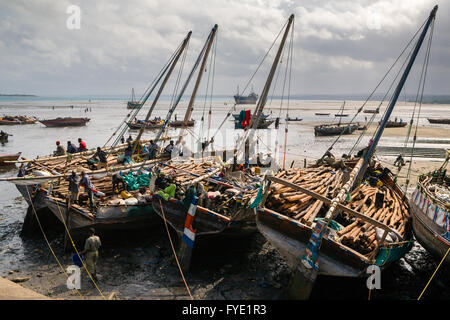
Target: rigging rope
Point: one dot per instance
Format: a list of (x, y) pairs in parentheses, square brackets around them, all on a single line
[(376, 88)]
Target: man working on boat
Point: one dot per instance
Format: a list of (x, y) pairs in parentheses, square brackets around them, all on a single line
[(152, 148), (169, 148), (102, 157), (86, 183), (71, 148), (82, 147), (60, 151), (91, 247), (74, 187)]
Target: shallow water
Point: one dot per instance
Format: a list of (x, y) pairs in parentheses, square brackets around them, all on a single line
[(403, 280)]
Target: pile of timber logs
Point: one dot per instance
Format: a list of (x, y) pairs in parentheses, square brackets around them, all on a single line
[(323, 180), (387, 207)]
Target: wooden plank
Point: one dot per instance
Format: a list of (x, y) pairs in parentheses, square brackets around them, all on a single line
[(339, 206)]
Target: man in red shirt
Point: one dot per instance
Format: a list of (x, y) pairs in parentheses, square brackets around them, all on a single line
[(82, 146)]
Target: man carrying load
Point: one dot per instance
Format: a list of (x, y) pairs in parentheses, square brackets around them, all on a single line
[(91, 247)]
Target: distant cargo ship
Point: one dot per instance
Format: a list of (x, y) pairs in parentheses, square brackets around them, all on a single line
[(250, 99)]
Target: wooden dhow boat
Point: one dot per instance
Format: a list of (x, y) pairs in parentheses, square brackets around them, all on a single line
[(440, 120), (5, 158), (334, 129), (17, 120), (430, 207), (65, 122), (338, 217), (133, 103), (396, 124)]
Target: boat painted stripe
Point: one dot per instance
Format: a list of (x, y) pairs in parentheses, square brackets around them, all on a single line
[(189, 221), (192, 209), (189, 242), (189, 233)]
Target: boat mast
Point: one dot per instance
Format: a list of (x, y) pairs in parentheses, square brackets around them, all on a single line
[(263, 98), (183, 46), (180, 94), (397, 91), (307, 270), (190, 107), (132, 94)]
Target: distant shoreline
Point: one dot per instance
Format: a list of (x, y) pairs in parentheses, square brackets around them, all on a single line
[(17, 95)]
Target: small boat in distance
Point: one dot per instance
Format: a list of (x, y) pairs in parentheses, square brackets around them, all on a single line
[(396, 124), (4, 136), (65, 122), (371, 111), (14, 120), (334, 129), (180, 123), (437, 120), (342, 114), (250, 99), (133, 104), (321, 114), (294, 119)]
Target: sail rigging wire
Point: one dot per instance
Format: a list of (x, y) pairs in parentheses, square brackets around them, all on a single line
[(372, 118), (376, 88), (212, 88), (153, 84), (291, 45), (248, 83)]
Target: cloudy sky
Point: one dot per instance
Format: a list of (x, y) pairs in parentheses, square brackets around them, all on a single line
[(339, 46)]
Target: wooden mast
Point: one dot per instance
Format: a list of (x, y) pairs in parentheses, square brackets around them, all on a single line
[(141, 131), (190, 107), (263, 98), (307, 270)]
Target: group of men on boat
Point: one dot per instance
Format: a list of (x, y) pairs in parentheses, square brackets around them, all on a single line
[(61, 151)]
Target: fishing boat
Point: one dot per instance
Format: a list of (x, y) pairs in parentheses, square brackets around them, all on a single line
[(17, 120), (338, 217), (65, 122), (250, 99), (133, 104), (440, 120), (334, 129), (4, 137), (396, 124), (181, 123), (321, 114), (430, 207), (371, 111), (9, 157), (294, 119), (149, 125)]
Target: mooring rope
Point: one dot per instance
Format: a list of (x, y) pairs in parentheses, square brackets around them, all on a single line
[(46, 240)]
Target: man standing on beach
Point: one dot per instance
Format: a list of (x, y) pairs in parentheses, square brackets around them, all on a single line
[(91, 252)]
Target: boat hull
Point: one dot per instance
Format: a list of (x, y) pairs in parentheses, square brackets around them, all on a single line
[(138, 126), (251, 99), (428, 233), (9, 157), (441, 121), (133, 105), (206, 222), (333, 131), (65, 122), (180, 123)]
